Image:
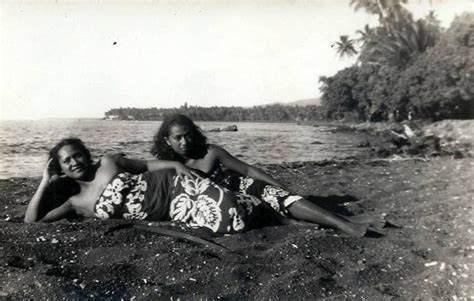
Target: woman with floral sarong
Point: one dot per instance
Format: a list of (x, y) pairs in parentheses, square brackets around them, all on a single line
[(179, 139), (156, 190)]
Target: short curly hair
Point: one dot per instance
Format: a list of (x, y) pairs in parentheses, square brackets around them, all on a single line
[(54, 156), (163, 151)]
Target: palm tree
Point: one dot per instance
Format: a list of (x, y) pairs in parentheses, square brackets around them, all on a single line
[(432, 19), (370, 6), (398, 38), (397, 44), (345, 47), (365, 34), (385, 9)]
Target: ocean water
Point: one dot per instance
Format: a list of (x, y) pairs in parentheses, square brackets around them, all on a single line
[(24, 144)]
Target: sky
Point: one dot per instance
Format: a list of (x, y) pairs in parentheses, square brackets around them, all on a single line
[(73, 59)]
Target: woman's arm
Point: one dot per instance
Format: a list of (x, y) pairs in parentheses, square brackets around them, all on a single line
[(140, 166), (32, 211), (243, 168), (58, 213)]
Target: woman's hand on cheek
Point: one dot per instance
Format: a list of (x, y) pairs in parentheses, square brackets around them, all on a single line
[(48, 173)]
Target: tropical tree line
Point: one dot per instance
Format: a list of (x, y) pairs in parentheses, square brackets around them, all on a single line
[(405, 68), (271, 113)]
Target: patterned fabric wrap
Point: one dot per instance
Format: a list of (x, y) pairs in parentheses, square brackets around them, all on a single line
[(142, 196), (278, 198), (124, 196), (164, 196), (202, 203)]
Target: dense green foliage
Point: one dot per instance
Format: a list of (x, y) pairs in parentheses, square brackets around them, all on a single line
[(275, 113), (405, 67)]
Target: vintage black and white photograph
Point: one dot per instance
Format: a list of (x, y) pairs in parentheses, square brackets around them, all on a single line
[(237, 150)]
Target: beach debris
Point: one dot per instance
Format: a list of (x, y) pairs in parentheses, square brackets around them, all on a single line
[(41, 239), (431, 140), (184, 236), (408, 131), (54, 241), (173, 233), (431, 264)]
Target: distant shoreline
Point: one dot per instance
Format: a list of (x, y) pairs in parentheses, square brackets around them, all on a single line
[(197, 120)]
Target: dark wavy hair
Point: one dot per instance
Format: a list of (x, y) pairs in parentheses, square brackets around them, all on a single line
[(53, 153), (162, 150)]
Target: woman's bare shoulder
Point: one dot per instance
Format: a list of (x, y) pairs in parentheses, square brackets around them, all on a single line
[(219, 151), (108, 162), (105, 169), (74, 200), (214, 148), (214, 151), (108, 159)]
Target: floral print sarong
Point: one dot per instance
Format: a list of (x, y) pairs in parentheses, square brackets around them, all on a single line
[(162, 195), (124, 196), (278, 198), (202, 203), (142, 196)]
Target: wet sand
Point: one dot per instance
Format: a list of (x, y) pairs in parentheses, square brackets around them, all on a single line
[(429, 257)]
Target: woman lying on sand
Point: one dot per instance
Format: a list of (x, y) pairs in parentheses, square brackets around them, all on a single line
[(156, 190), (179, 139)]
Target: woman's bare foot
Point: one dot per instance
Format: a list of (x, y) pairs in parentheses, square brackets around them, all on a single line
[(376, 221), (357, 230)]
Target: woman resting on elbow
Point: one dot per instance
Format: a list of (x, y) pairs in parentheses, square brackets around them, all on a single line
[(117, 187), (179, 139)]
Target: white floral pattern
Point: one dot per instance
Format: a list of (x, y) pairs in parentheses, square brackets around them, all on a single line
[(271, 195), (276, 197), (124, 185), (291, 199), (181, 207), (202, 203), (237, 221), (135, 199), (194, 207), (193, 186), (245, 183), (195, 201), (207, 213)]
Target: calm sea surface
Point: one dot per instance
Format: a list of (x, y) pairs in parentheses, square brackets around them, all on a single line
[(24, 144)]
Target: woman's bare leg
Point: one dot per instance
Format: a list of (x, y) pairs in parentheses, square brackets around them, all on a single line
[(307, 211), (376, 221)]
